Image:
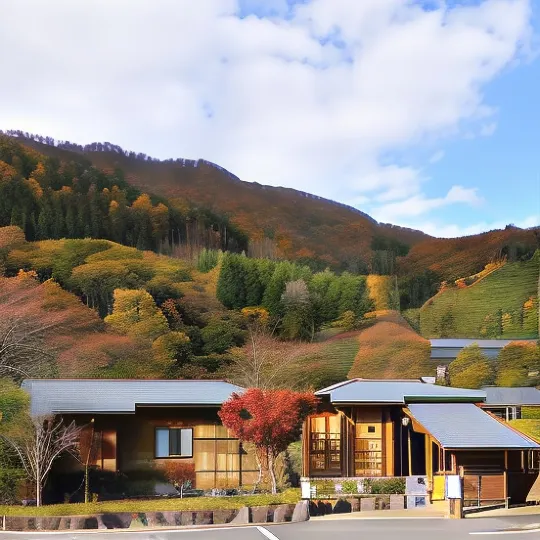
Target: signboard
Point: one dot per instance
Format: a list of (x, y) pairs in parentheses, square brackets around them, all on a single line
[(453, 486), (305, 488)]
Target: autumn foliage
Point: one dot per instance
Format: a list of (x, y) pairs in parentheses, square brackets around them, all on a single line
[(391, 349), (268, 419), (180, 474)]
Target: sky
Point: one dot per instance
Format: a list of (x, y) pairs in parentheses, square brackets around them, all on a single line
[(423, 114)]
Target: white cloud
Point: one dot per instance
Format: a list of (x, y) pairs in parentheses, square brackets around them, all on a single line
[(313, 101), (452, 230), (419, 204)]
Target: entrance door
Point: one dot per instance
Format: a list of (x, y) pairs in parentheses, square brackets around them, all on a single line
[(325, 445)]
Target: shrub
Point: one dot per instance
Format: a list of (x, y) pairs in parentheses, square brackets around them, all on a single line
[(386, 486), (349, 486), (10, 481), (471, 369), (324, 487), (515, 362), (180, 474), (220, 335)]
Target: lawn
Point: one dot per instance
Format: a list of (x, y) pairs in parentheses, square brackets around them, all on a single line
[(390, 350), (332, 360), (529, 427), (289, 496), (500, 297)]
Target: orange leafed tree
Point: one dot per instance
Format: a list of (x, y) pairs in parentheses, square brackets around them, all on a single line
[(268, 419)]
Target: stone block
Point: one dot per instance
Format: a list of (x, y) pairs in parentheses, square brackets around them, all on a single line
[(283, 513), (116, 520), (202, 518), (286, 511), (157, 519), (186, 518), (355, 504), (65, 524), (259, 514), (223, 516), (242, 517), (367, 504), (301, 512), (47, 523), (397, 502)]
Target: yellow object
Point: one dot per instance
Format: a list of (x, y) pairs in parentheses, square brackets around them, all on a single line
[(438, 488)]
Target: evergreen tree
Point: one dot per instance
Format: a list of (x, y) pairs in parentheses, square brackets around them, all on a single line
[(58, 225), (254, 287), (231, 290), (276, 287), (71, 221), (45, 219), (17, 218)]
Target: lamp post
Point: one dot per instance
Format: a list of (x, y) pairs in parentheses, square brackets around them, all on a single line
[(404, 424)]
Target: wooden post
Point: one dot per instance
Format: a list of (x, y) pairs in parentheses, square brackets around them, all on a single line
[(505, 478), (409, 449)]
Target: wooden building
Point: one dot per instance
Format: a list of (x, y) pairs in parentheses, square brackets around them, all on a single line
[(399, 428), (134, 426)]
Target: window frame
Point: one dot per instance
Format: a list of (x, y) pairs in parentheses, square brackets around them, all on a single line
[(173, 456)]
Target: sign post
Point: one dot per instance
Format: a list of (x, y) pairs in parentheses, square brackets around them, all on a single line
[(454, 493)]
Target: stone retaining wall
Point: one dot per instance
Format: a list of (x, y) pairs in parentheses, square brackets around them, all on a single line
[(125, 520), (321, 507)]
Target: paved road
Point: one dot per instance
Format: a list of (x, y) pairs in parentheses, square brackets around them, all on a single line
[(354, 529)]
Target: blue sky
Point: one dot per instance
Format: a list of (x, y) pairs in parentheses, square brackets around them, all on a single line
[(423, 114)]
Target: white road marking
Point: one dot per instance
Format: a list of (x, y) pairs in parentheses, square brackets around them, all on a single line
[(520, 531), (267, 533)]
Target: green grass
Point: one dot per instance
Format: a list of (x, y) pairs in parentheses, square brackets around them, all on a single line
[(529, 427), (289, 496), (461, 312), (331, 363)]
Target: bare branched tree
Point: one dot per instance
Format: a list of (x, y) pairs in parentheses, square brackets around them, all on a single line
[(45, 439), (22, 351), (266, 362)]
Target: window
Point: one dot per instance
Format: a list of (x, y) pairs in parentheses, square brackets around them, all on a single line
[(220, 460), (325, 444), (174, 442), (534, 460), (371, 429)]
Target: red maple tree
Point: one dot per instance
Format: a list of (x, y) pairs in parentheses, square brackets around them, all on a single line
[(268, 419)]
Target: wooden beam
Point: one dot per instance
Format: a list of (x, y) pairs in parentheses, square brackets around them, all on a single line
[(505, 475), (410, 450), (389, 445)]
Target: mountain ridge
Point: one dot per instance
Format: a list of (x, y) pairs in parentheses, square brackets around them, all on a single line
[(282, 222)]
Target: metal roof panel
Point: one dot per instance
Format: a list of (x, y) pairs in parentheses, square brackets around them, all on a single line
[(464, 425), (121, 396), (400, 392), (511, 396)]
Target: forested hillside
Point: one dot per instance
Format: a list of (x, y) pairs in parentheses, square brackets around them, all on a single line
[(117, 304), (276, 222), (181, 263)]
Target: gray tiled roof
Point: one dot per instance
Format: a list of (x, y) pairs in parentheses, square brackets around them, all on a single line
[(464, 425), (121, 396), (395, 391), (482, 343), (511, 396), (450, 353)]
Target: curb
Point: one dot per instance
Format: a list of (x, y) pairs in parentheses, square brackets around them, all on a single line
[(159, 521)]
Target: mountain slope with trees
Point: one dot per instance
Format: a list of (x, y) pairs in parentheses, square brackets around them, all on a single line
[(276, 222)]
